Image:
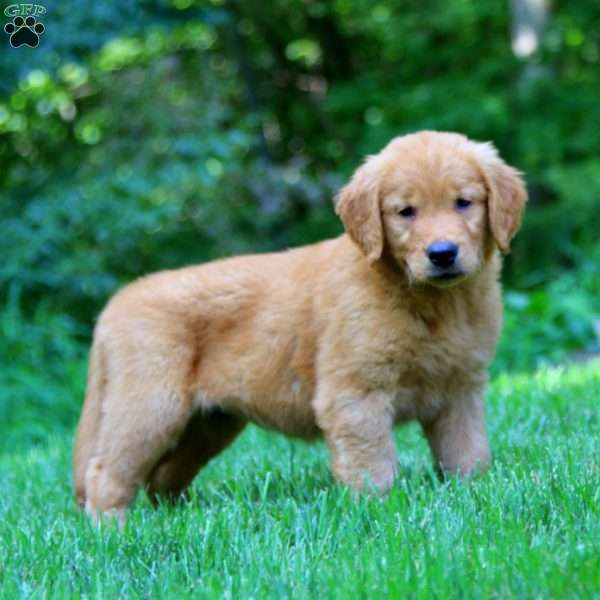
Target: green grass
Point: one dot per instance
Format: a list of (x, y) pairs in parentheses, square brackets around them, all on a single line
[(266, 520)]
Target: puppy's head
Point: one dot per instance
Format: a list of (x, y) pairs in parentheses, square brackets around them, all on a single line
[(436, 203)]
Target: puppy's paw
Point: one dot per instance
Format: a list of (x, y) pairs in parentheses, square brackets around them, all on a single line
[(381, 477), (377, 478), (106, 517)]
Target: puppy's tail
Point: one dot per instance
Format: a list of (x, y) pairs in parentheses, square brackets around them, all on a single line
[(89, 422)]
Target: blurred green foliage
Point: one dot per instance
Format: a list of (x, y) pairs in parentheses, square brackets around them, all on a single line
[(141, 135)]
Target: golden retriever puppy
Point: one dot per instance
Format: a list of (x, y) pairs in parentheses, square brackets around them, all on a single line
[(395, 320)]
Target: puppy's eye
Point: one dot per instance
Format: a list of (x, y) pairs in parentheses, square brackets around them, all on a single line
[(408, 213), (462, 203)]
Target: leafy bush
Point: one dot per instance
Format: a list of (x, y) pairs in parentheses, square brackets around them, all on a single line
[(142, 136), (42, 371), (552, 323)]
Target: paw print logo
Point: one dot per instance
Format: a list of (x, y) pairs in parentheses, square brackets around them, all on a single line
[(24, 32)]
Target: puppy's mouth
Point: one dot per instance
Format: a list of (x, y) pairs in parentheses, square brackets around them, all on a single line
[(448, 275), (447, 278)]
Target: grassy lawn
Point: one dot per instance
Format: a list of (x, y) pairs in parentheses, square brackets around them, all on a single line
[(266, 520)]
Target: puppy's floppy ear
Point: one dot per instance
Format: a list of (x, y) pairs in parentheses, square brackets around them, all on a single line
[(357, 204), (506, 195)]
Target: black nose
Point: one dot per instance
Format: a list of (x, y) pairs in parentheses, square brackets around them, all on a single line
[(442, 254)]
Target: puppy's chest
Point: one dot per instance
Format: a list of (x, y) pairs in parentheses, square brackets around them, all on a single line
[(431, 357), (439, 350)]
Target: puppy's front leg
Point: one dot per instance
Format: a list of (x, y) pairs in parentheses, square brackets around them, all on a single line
[(457, 437), (358, 431)]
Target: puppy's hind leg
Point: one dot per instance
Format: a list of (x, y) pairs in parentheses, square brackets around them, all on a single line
[(142, 419), (206, 434), (89, 422)]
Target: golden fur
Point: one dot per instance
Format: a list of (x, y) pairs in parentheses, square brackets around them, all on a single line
[(343, 338)]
